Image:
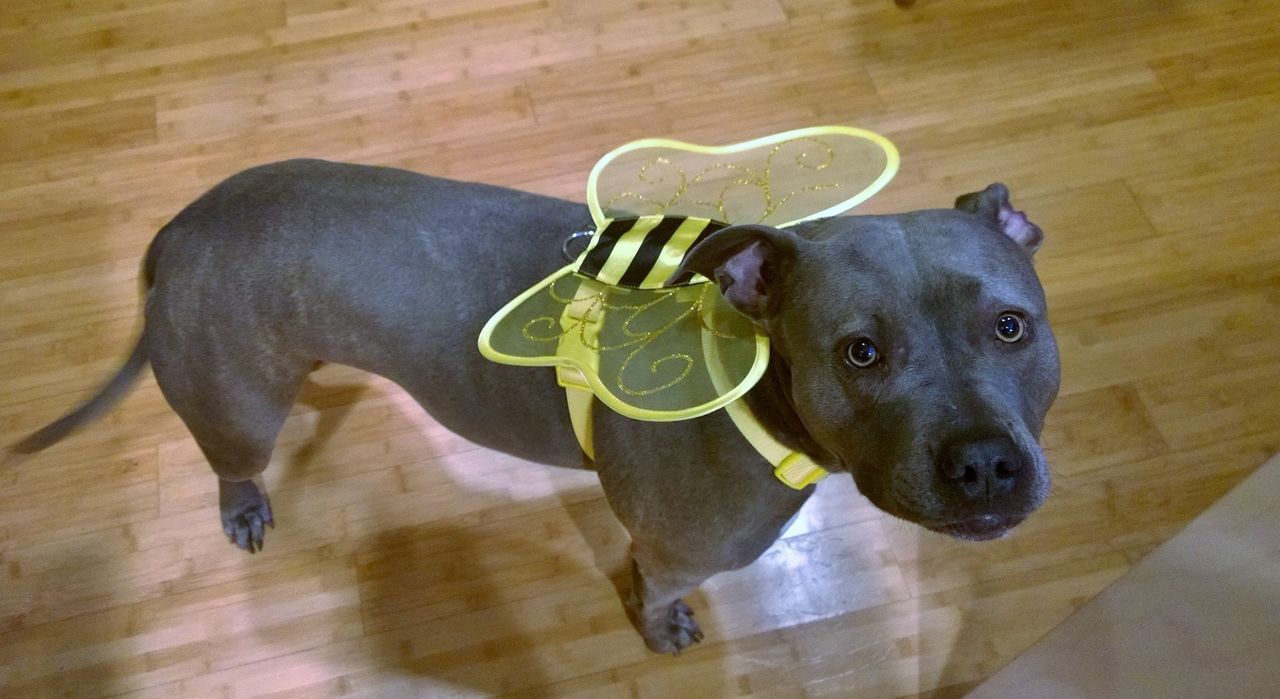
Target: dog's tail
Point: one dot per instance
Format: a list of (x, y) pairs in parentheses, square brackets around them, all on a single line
[(111, 393)]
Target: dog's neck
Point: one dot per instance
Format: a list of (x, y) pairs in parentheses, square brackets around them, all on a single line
[(771, 402)]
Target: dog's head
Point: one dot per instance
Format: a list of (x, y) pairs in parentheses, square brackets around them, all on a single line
[(914, 349)]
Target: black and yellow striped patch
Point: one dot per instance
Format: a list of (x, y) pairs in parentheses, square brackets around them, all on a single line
[(643, 252)]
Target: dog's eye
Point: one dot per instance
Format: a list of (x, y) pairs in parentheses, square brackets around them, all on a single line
[(1010, 327), (861, 353)]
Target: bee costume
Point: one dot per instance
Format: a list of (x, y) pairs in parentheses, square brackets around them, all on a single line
[(616, 326)]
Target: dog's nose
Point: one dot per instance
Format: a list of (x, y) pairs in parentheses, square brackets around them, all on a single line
[(982, 469)]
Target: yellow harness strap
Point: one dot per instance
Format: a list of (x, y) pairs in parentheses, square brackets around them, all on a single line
[(577, 391), (795, 469), (579, 396)]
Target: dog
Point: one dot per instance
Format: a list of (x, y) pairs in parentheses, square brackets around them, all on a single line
[(910, 351)]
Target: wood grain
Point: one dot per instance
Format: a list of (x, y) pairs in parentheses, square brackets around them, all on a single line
[(1140, 135)]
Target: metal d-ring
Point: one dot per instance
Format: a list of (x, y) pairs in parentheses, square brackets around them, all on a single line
[(571, 240)]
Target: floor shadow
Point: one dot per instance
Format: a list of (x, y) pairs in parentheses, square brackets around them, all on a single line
[(969, 642), (500, 591), (460, 609), (610, 544), (437, 613), (53, 600), (332, 405), (41, 654), (482, 598)]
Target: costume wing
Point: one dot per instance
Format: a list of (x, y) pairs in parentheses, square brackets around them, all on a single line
[(776, 180), (657, 352)]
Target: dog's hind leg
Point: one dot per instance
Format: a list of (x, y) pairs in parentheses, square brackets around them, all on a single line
[(235, 414)]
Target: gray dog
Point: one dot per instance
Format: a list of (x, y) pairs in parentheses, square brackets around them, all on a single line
[(910, 351)]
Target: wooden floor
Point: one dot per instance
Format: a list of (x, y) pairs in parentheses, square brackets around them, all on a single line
[(1141, 134)]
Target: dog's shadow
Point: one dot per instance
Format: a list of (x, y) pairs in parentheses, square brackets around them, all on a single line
[(971, 641), (331, 404), (496, 592), (497, 608), (991, 600)]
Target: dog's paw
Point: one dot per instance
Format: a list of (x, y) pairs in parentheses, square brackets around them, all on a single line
[(245, 514), (675, 633)]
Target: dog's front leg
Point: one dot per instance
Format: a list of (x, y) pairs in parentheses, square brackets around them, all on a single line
[(697, 500), (655, 604)]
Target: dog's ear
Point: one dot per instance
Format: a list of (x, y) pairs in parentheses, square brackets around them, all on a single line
[(992, 205), (747, 263)]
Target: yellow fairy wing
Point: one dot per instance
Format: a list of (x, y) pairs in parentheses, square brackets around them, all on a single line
[(650, 354), (657, 353), (777, 180)]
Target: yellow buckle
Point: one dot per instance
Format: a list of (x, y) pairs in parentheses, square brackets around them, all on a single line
[(798, 471)]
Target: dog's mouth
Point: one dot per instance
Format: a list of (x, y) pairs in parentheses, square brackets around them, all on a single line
[(978, 527)]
